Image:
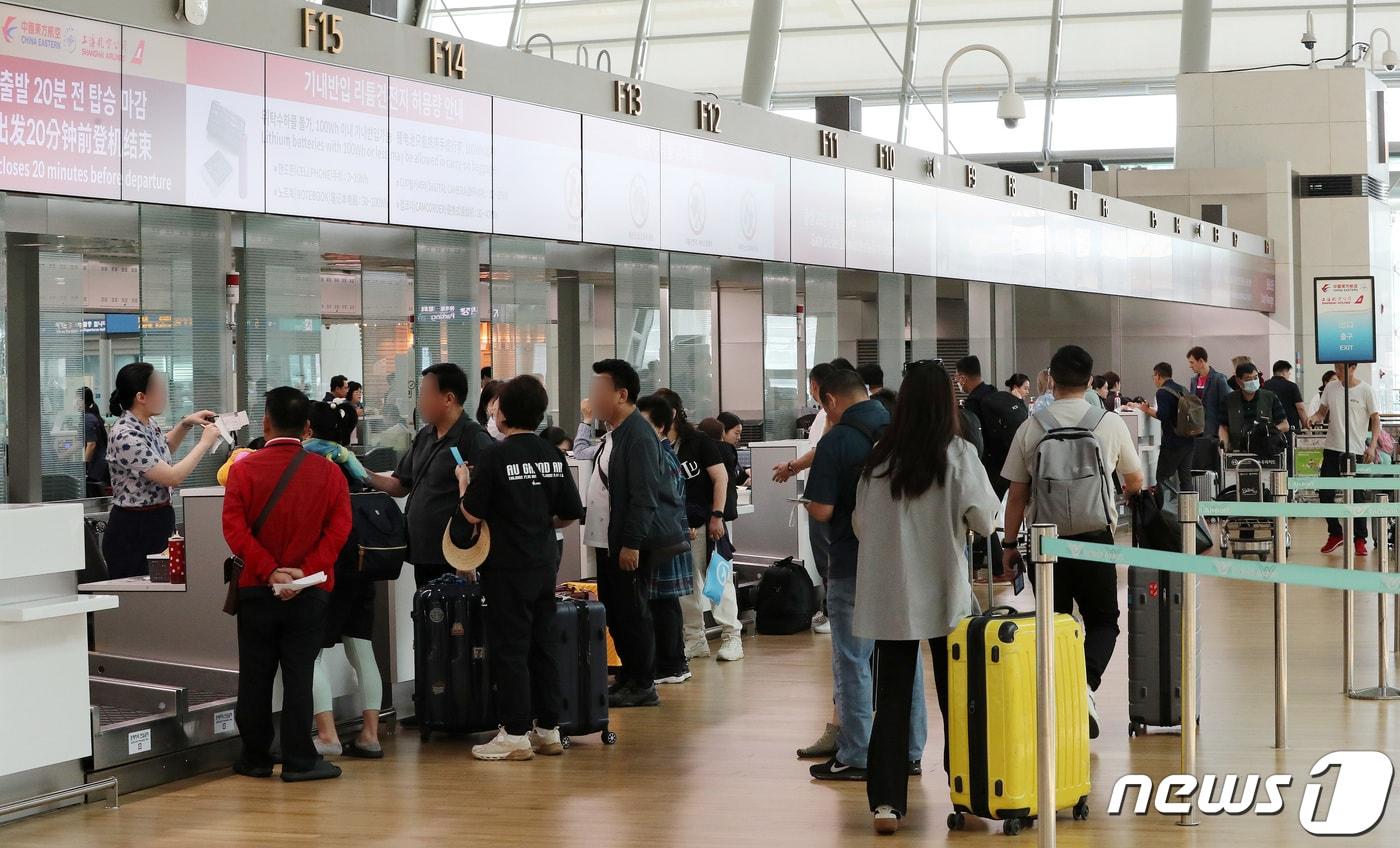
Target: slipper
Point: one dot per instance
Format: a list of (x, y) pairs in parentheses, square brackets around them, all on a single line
[(353, 749)]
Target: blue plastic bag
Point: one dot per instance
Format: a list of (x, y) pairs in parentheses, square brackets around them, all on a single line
[(717, 577)]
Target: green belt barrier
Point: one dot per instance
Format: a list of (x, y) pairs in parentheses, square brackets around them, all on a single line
[(1356, 484), (1319, 577), (1255, 509), (1378, 469)]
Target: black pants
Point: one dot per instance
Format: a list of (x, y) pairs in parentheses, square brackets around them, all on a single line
[(134, 534), (1174, 466), (1095, 588), (1332, 467), (887, 780), (273, 633), (669, 627), (624, 593), (519, 628)]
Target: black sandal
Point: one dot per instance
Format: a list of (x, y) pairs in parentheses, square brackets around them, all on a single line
[(354, 750)]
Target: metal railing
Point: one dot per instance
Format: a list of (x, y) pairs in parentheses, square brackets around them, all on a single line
[(107, 786)]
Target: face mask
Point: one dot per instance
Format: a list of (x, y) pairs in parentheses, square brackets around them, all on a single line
[(492, 430), (1251, 385)]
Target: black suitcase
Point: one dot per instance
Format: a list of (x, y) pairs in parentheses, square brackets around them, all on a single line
[(1154, 623), (452, 679), (580, 644)]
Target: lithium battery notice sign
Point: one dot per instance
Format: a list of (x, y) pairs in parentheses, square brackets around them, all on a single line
[(1345, 319)]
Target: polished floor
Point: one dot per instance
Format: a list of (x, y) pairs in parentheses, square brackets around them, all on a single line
[(714, 765)]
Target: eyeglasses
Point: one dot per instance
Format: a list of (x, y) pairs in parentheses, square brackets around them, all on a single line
[(922, 363)]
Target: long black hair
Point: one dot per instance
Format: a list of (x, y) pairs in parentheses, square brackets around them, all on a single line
[(685, 431), (133, 379), (90, 403), (914, 449)]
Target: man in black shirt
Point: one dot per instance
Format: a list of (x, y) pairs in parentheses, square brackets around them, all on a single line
[(424, 475), (1175, 454), (1283, 387), (1252, 403), (521, 487)]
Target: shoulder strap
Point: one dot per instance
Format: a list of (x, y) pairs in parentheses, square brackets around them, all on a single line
[(282, 482), (860, 427), (1092, 419), (1046, 420)]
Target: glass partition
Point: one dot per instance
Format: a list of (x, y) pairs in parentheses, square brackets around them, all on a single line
[(638, 307), (61, 372), (448, 306), (923, 318), (281, 310), (692, 332), (890, 306), (520, 310), (819, 314), (782, 381)]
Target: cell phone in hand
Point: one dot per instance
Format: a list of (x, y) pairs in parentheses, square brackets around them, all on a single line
[(457, 455)]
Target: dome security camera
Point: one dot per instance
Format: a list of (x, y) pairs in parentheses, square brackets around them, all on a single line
[(1011, 108), (1309, 40), (1390, 60)]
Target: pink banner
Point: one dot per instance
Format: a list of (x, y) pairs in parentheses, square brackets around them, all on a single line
[(227, 68), (316, 84), (60, 129), (436, 104)]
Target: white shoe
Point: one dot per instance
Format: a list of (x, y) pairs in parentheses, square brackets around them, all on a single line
[(1093, 717), (505, 747), (732, 650), (680, 677), (698, 648), (886, 820), (547, 742), (328, 749), (821, 624)]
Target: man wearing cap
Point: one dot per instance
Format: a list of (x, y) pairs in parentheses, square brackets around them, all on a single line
[(521, 487)]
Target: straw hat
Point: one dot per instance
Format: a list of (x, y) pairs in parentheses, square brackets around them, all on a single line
[(468, 558)]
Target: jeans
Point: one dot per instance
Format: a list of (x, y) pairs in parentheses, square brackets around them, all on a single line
[(726, 612), (520, 630), (624, 594), (851, 668), (276, 634), (819, 536), (1332, 467), (898, 662), (1176, 462), (667, 621), (1095, 588)]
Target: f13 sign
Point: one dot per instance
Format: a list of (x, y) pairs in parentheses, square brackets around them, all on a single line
[(1344, 310), (60, 123)]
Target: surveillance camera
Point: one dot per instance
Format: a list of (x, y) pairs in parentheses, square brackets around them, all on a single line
[(1011, 108), (1309, 40), (1390, 60)]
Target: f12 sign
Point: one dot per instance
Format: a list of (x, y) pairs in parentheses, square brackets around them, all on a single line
[(1344, 310)]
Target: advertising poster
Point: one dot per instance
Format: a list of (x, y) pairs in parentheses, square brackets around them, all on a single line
[(60, 121), (1344, 309), (439, 157), (191, 122), (327, 141)]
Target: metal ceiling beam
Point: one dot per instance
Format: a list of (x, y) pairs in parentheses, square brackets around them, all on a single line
[(1052, 76), (761, 59), (911, 62)]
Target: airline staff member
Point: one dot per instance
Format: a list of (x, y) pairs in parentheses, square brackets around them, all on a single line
[(141, 459)]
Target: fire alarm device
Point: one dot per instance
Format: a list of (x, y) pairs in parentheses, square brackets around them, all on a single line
[(194, 11)]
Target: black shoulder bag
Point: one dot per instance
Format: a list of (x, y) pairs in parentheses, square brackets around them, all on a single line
[(233, 566)]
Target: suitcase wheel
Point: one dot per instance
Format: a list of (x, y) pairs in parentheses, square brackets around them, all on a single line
[(1081, 810), (609, 738), (1136, 728), (956, 821), (1011, 827), (567, 742)]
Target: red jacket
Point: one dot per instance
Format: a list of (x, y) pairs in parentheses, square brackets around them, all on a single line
[(307, 527)]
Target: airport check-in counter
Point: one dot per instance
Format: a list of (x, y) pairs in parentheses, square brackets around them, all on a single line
[(778, 526)]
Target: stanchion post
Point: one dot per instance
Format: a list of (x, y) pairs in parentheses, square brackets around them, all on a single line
[(1382, 691), (1045, 682), (1349, 562), (1280, 486), (1187, 512)]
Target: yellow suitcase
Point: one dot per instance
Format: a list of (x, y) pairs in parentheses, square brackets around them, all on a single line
[(992, 717)]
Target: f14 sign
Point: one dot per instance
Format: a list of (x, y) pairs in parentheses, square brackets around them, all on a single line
[(1344, 310)]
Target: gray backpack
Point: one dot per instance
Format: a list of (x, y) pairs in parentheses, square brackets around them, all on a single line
[(1070, 487)]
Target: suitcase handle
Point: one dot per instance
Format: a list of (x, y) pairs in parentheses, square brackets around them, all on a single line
[(1002, 610)]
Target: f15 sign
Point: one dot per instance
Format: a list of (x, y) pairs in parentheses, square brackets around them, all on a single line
[(1344, 311)]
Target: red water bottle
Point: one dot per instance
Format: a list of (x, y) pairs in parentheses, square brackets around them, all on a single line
[(177, 559)]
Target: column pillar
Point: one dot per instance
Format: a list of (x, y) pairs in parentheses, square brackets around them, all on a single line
[(1195, 36), (761, 62)]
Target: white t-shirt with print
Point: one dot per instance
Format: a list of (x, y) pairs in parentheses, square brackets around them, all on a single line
[(1363, 406)]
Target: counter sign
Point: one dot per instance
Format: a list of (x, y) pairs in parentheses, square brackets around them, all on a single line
[(1344, 311)]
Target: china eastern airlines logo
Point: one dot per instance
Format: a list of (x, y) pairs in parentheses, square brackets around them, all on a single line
[(11, 24), (1359, 794)]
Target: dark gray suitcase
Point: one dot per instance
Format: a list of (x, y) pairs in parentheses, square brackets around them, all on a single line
[(1154, 650), (580, 646), (452, 680)]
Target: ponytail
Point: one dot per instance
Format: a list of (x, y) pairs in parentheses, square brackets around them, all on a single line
[(133, 379)]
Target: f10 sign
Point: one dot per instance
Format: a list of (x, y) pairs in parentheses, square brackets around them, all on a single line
[(1344, 310)]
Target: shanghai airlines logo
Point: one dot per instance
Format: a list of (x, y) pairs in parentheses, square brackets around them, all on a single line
[(638, 201), (9, 28), (70, 40), (748, 216), (573, 193), (696, 209), (1359, 794), (139, 54)]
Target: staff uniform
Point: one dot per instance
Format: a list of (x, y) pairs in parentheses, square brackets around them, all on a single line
[(519, 487), (142, 518), (306, 529), (429, 473)]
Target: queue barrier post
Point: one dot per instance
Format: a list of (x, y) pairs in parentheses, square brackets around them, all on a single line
[(1187, 513), (1280, 487), (1045, 682), (1348, 598), (1382, 691)]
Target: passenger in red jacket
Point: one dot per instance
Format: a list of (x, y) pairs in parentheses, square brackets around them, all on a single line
[(301, 535)]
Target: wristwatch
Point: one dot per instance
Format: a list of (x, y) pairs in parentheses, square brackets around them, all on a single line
[(718, 513)]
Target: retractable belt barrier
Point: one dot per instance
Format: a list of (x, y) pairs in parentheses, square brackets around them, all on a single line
[(1047, 547)]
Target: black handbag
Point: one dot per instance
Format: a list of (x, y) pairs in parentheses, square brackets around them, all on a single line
[(233, 566)]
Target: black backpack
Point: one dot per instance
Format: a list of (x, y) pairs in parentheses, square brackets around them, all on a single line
[(1002, 414), (378, 540), (787, 600)]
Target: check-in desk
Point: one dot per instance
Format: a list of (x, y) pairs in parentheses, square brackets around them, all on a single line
[(778, 526)]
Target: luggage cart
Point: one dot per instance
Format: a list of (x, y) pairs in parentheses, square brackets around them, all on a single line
[(1248, 537)]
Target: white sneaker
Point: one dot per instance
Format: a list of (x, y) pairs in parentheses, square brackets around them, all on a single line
[(698, 648), (544, 741), (679, 677), (505, 747), (1093, 717), (328, 749), (886, 820), (821, 624), (732, 650)]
